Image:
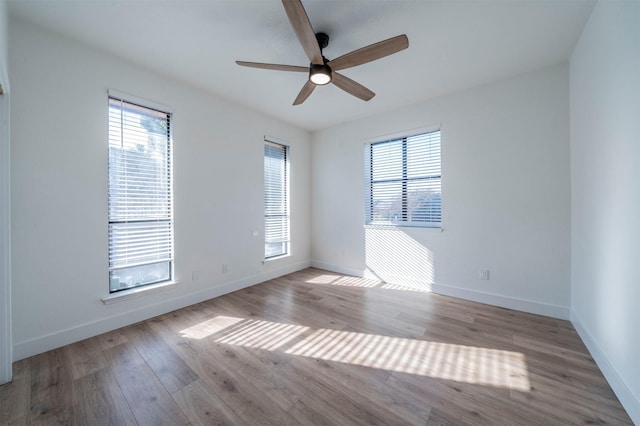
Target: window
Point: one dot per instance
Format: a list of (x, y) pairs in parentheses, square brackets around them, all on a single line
[(403, 181), (140, 195), (276, 200)]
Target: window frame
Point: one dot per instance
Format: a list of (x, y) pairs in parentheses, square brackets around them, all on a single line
[(404, 180), (286, 213), (137, 102)]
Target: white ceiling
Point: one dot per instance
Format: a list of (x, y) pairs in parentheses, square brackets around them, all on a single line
[(452, 45)]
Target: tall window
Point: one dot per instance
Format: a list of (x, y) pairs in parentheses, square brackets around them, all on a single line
[(403, 181), (276, 200), (140, 195)]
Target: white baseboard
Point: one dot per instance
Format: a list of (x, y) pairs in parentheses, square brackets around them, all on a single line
[(337, 269), (60, 338), (554, 311), (5, 334), (629, 401)]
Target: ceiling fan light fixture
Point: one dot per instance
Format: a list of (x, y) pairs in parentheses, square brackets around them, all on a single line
[(320, 74)]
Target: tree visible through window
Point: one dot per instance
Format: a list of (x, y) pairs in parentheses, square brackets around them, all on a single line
[(403, 179), (140, 192)]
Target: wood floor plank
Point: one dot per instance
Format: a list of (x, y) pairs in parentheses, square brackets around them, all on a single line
[(52, 389), (351, 313), (317, 347), (369, 385), (328, 403), (578, 404), (171, 328), (204, 407), (588, 380), (100, 400), (15, 397), (248, 402), (165, 363), (438, 419), (148, 399), (86, 357), (279, 310), (260, 371), (467, 411), (110, 339)]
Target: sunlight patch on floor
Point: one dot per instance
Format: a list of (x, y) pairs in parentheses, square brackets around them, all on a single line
[(467, 364), (459, 363), (420, 288), (262, 334), (324, 279), (209, 327), (346, 281)]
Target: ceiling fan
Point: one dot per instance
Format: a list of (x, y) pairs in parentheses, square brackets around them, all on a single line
[(322, 71)]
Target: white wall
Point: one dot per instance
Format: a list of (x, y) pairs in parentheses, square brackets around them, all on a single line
[(59, 187), (5, 207), (605, 186), (505, 165)]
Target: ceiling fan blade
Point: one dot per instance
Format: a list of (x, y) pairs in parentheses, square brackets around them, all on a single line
[(370, 53), (303, 29), (276, 67), (304, 93), (352, 87)]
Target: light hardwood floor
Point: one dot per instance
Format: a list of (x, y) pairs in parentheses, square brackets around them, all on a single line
[(316, 347)]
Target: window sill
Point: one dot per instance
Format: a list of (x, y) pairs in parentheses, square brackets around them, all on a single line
[(392, 226), (272, 259), (132, 293)]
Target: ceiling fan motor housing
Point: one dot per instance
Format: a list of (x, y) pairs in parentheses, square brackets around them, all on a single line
[(323, 40)]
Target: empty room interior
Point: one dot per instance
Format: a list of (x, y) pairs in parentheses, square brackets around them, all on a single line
[(319, 212)]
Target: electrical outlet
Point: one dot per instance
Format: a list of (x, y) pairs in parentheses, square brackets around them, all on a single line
[(484, 274), (225, 268), (195, 275)]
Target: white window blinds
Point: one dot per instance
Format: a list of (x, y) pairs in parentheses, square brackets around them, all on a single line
[(403, 181), (276, 200), (140, 195)]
